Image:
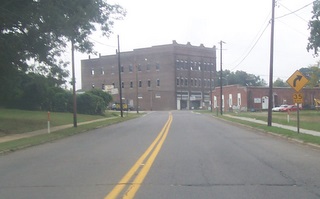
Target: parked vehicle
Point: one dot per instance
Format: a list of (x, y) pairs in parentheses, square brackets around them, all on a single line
[(290, 108), (125, 107), (279, 108)]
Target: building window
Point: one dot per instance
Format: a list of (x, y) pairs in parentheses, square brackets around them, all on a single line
[(122, 84), (131, 84), (195, 82), (122, 69), (149, 83), (140, 83), (178, 81), (181, 82), (148, 66), (157, 66), (186, 82), (178, 64), (239, 99), (230, 100), (191, 66), (113, 84), (191, 82), (139, 67), (103, 87), (92, 71), (102, 71), (158, 82)]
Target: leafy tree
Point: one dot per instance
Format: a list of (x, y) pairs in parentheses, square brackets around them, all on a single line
[(312, 73), (280, 83), (314, 26), (39, 31), (240, 77), (107, 98)]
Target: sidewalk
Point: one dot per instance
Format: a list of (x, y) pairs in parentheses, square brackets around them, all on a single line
[(45, 131), (292, 128)]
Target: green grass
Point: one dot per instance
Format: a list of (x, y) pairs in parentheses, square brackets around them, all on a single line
[(279, 131), (44, 138), (21, 121), (308, 119)]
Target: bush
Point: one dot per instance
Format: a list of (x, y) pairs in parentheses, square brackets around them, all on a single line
[(62, 102), (88, 103)]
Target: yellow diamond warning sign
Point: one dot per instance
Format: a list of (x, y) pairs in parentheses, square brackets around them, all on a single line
[(297, 81)]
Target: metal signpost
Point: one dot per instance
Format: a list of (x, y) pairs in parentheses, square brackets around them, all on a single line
[(297, 81)]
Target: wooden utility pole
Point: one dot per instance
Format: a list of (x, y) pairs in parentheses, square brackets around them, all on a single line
[(73, 86), (270, 102)]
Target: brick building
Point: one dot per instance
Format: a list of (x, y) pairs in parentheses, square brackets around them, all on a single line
[(164, 77), (256, 98)]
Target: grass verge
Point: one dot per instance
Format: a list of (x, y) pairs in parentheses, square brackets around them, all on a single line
[(44, 138), (305, 138)]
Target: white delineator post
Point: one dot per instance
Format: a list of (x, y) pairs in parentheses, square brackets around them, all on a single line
[(48, 122)]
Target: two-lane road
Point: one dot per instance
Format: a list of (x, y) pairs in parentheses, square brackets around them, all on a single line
[(163, 155)]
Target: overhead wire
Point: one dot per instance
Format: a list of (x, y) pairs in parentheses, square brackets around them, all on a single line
[(291, 12)]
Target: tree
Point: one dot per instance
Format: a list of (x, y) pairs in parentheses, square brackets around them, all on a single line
[(107, 98), (314, 26), (39, 31), (312, 73), (280, 83), (240, 77)]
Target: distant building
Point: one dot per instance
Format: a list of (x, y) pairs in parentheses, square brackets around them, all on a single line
[(247, 98), (164, 77)]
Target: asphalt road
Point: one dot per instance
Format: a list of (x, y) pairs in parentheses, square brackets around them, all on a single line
[(191, 156)]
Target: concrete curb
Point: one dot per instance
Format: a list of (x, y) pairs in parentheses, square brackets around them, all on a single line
[(270, 133)]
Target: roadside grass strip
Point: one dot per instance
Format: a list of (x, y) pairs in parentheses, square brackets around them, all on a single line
[(22, 143), (301, 137)]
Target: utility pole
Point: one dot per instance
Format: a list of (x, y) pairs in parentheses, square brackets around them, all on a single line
[(270, 100), (221, 42), (73, 86), (210, 93), (120, 82)]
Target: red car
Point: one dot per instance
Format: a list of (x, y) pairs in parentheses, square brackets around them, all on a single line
[(289, 108)]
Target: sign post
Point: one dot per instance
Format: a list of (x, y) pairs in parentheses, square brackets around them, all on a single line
[(297, 81)]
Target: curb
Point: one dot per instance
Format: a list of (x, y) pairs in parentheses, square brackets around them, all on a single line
[(270, 133)]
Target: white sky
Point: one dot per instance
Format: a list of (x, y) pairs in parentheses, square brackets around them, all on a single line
[(238, 23)]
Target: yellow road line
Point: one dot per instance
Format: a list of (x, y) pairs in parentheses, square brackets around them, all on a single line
[(135, 185)]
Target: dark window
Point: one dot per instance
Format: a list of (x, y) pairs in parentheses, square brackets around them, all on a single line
[(158, 82), (149, 83), (122, 84), (122, 69), (131, 84), (139, 67), (157, 66), (140, 83), (130, 68)]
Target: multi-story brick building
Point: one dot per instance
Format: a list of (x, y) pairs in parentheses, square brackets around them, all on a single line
[(164, 77)]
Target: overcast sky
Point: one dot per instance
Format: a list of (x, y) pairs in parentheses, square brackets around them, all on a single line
[(243, 25)]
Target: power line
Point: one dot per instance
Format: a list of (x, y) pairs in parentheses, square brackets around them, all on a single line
[(101, 43), (293, 12), (251, 48), (251, 44)]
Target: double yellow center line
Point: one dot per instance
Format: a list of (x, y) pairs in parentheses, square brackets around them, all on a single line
[(128, 186)]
